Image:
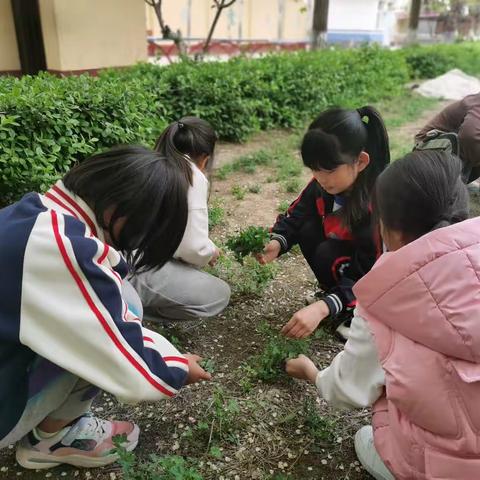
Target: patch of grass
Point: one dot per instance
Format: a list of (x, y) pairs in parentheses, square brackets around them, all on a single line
[(216, 213), (246, 164), (247, 279), (208, 365), (255, 188), (292, 185), (238, 192), (170, 467), (249, 241), (407, 108), (287, 164), (283, 206), (321, 427)]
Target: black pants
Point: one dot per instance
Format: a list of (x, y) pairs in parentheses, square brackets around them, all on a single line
[(325, 256)]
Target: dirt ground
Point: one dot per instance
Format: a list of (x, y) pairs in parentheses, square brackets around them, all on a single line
[(271, 437)]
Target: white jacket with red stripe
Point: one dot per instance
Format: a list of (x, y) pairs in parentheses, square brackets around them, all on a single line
[(61, 299)]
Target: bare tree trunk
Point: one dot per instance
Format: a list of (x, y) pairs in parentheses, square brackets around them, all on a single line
[(220, 6), (413, 21), (320, 24), (167, 33)]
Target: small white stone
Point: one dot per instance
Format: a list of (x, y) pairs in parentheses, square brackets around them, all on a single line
[(324, 462), (175, 446)]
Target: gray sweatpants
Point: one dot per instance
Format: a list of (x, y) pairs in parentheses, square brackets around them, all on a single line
[(179, 291)]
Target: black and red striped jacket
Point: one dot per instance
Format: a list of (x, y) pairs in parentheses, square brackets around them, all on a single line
[(316, 202)]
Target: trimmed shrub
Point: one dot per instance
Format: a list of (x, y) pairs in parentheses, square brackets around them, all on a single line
[(430, 61), (48, 123)]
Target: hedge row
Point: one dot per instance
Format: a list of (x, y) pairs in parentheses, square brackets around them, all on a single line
[(48, 122)]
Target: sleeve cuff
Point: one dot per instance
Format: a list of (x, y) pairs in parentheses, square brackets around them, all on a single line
[(281, 240), (334, 304)]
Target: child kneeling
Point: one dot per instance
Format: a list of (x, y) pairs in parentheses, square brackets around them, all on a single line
[(414, 348), (65, 329)]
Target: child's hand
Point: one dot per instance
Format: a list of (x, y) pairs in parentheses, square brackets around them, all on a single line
[(306, 320), (302, 367), (215, 257), (195, 371), (270, 252)]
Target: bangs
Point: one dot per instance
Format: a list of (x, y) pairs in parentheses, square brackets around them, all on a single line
[(321, 151)]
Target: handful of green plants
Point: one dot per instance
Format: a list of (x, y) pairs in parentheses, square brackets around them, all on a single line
[(249, 241)]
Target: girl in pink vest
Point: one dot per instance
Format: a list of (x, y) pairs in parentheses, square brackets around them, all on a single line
[(414, 345)]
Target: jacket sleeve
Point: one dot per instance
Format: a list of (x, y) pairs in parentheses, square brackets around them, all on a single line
[(196, 248), (469, 137), (366, 251), (73, 314), (355, 378), (288, 225)]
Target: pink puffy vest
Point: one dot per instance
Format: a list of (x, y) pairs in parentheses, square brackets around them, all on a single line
[(422, 304)]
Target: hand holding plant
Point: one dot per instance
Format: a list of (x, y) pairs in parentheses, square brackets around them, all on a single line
[(270, 252), (195, 371), (248, 241)]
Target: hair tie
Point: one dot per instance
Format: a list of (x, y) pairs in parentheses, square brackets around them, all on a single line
[(180, 125)]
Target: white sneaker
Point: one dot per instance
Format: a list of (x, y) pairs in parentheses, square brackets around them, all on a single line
[(368, 456), (88, 443)]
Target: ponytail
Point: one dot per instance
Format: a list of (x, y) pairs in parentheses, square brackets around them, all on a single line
[(166, 146), (337, 137), (188, 140), (377, 145)]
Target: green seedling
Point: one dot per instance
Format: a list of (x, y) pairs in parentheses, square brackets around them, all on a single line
[(249, 241), (238, 192)]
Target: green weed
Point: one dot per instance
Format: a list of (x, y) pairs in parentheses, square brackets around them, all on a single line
[(320, 427), (169, 467), (247, 279), (249, 241), (255, 188), (238, 192), (292, 185), (283, 206), (216, 214)]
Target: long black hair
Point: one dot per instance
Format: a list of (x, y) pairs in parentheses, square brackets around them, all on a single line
[(421, 192), (337, 137), (188, 139), (143, 186)]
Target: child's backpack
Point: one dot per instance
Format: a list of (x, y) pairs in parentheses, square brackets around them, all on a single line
[(447, 142), (438, 140)]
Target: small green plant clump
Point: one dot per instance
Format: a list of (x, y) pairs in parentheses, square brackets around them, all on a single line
[(252, 240), (283, 206), (246, 279), (292, 185), (216, 214), (238, 192), (171, 467), (320, 427), (255, 188)]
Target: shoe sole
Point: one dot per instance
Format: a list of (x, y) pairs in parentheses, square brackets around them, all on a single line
[(41, 461)]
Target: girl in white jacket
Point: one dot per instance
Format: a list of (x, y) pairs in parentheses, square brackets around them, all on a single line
[(181, 290)]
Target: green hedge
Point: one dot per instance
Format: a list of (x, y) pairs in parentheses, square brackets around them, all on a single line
[(433, 60), (49, 122)]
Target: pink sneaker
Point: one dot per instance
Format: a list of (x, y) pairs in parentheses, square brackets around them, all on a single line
[(87, 443)]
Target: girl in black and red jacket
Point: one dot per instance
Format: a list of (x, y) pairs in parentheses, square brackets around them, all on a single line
[(331, 219)]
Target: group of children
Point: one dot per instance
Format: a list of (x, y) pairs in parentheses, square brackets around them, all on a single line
[(124, 236)]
